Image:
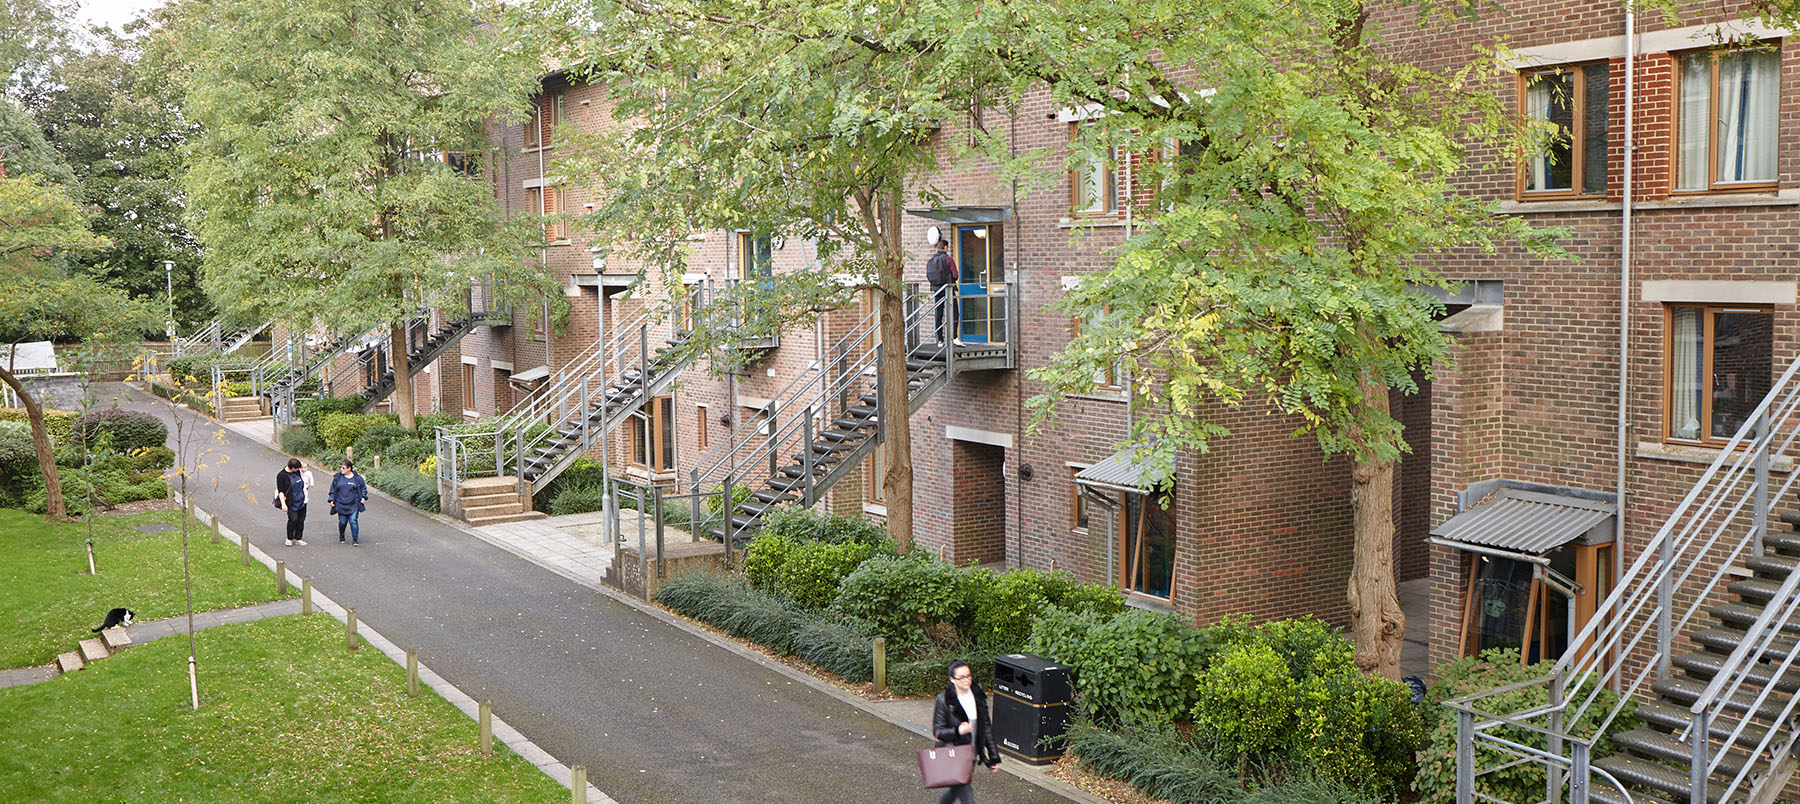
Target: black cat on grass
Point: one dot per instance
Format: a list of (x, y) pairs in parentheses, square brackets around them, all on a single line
[(117, 617)]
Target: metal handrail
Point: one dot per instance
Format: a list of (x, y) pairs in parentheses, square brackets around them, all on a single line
[(1706, 533)]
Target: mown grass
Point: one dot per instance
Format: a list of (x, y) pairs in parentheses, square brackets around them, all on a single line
[(287, 715), (49, 605)]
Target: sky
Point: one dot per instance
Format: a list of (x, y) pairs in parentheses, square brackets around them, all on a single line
[(113, 12)]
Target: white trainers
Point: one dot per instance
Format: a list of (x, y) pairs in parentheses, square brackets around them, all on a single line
[(300, 542), (289, 542)]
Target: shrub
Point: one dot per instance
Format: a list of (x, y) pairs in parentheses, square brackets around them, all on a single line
[(188, 369), (814, 570), (152, 458), (340, 430), (58, 424), (1312, 788), (767, 554), (408, 485), (376, 439), (18, 455), (1133, 666), (311, 411), (1156, 759), (300, 441), (429, 423), (839, 646), (900, 596), (1005, 605), (1436, 780), (1246, 702), (805, 524), (577, 500), (127, 429), (1358, 729), (929, 675), (234, 389), (407, 452)]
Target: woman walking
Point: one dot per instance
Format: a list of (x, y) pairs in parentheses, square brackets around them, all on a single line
[(961, 718)]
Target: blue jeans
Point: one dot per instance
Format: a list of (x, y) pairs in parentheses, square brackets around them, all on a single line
[(349, 519)]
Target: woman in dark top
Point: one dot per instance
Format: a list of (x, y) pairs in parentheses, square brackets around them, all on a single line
[(961, 718)]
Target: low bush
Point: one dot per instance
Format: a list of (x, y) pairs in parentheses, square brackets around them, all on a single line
[(311, 411), (765, 557), (300, 441), (1156, 759), (814, 570), (576, 500), (407, 484), (1007, 603), (375, 440), (836, 645), (144, 459), (58, 424), (408, 452), (198, 368), (902, 596), (340, 430), (1134, 666), (805, 524), (929, 675), (241, 388), (123, 430), (18, 453), (427, 424), (1436, 780)]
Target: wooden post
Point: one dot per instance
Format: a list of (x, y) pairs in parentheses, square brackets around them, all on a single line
[(412, 674), (244, 550), (578, 784), (350, 628), (281, 577), (881, 664), (215, 528), (486, 719), (305, 595)]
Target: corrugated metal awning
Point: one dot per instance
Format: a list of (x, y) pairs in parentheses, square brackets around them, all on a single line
[(1527, 522), (1122, 471), (965, 214)]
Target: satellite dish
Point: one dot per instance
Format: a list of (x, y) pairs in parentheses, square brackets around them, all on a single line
[(933, 235)]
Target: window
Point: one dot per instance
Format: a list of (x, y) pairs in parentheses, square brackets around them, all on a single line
[(687, 299), (1106, 378), (1094, 187), (540, 322), (1147, 546), (1079, 505), (700, 426), (755, 255), (877, 474), (653, 436), (1571, 160), (1726, 125), (548, 201), (546, 114), (468, 386), (1718, 365)]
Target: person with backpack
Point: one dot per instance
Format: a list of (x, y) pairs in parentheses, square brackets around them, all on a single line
[(940, 270), (349, 495)]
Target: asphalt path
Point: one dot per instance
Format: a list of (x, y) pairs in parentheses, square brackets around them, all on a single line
[(655, 713)]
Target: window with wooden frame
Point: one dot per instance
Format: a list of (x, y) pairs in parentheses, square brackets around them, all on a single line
[(468, 386), (545, 116), (877, 487), (1078, 504), (755, 255), (1727, 121), (540, 322), (1507, 605), (1717, 366), (653, 436), (1106, 378), (1094, 186), (1147, 546), (700, 426), (1570, 106)]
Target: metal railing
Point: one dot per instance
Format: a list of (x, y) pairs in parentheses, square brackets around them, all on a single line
[(1628, 644)]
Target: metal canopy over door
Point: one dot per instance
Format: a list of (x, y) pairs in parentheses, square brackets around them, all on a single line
[(981, 283)]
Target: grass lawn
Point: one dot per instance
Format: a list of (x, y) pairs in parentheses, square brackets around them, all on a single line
[(49, 605), (287, 714)]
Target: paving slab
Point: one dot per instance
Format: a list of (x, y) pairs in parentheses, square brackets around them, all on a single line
[(69, 662), (93, 650)]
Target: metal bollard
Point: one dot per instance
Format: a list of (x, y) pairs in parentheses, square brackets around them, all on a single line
[(305, 595), (281, 577), (486, 718), (881, 664), (412, 674), (350, 628)]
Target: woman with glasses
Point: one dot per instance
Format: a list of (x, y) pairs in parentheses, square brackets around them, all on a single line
[(961, 718)]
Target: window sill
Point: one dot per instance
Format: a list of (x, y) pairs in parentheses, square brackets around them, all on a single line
[(1780, 198), (1100, 221), (1100, 396), (1137, 601), (1681, 453), (876, 509), (470, 414), (657, 478)]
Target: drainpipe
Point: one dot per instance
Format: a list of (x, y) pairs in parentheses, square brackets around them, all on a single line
[(1624, 423)]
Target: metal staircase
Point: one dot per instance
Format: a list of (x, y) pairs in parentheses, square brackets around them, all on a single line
[(375, 365), (818, 431), (1703, 626), (279, 375), (217, 336)]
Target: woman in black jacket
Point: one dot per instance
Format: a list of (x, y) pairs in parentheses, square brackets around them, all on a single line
[(961, 718)]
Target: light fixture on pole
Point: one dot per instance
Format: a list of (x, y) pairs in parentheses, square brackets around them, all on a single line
[(169, 281)]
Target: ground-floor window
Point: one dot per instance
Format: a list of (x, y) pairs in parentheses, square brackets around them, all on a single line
[(468, 386), (1147, 545), (878, 473), (653, 436), (1510, 605)]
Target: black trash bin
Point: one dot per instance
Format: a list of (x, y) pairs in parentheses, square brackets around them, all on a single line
[(1030, 705)]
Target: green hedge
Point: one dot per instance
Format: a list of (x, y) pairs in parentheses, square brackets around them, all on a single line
[(1162, 763), (57, 423), (340, 430), (310, 411), (300, 441), (199, 367), (407, 484), (126, 430)]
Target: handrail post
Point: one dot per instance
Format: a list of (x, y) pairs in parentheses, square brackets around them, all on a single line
[(725, 511), (1665, 593), (806, 455), (587, 409), (1762, 478), (1553, 772), (1698, 732), (1578, 775), (518, 457), (1465, 757), (772, 425)]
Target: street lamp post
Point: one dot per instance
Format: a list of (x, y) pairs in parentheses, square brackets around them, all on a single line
[(169, 282)]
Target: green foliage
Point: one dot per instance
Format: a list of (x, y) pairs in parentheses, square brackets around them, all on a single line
[(765, 557), (340, 430), (409, 452), (144, 459), (814, 570), (311, 411), (1436, 779), (576, 500), (715, 499), (1135, 666), (125, 430), (17, 453), (197, 368), (300, 441), (1154, 758), (929, 675), (1246, 702), (58, 424), (375, 440), (901, 596), (1008, 603), (839, 646), (805, 524), (407, 484), (428, 423)]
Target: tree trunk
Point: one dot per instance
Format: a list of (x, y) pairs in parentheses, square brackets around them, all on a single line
[(896, 402), (1376, 623), (40, 440), (403, 391)]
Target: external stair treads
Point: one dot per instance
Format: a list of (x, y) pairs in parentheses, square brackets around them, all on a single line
[(1654, 775), (1685, 691), (1668, 718), (1652, 744)]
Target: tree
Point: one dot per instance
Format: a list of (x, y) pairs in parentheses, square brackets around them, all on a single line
[(814, 121), (34, 35), (1306, 191), (39, 300), (319, 188), (120, 130)]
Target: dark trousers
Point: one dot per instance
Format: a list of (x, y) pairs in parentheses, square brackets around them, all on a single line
[(296, 522), (940, 299), (964, 793)]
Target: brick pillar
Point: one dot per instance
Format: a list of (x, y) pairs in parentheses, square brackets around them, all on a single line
[(1467, 415)]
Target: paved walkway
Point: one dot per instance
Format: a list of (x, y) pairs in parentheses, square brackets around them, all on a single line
[(157, 629), (653, 708)]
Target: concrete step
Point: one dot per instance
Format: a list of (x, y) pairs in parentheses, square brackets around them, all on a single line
[(69, 662), (485, 510), (500, 519), (478, 485), (93, 650), (115, 639)]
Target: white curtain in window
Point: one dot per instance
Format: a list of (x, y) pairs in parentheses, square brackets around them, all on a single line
[(1748, 97), (1696, 92), (1537, 109), (1684, 373)]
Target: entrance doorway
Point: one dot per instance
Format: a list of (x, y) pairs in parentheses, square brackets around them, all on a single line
[(978, 499), (981, 282)]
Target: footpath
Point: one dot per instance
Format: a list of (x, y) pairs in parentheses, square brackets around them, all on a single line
[(655, 709)]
